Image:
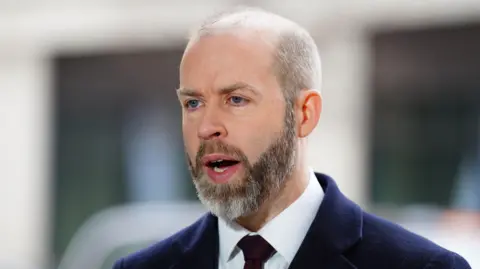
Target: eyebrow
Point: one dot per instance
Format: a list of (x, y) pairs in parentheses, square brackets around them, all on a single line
[(224, 91), (188, 92)]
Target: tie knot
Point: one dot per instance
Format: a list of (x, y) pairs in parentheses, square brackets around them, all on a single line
[(255, 248)]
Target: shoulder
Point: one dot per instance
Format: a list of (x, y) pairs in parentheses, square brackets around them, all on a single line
[(166, 252), (392, 244), (163, 252)]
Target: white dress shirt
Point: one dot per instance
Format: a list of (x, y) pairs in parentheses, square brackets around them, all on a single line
[(285, 232)]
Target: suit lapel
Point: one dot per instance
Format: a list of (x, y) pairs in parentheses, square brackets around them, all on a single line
[(310, 256), (199, 248), (335, 229), (318, 261)]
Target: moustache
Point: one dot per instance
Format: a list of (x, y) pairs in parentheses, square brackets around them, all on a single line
[(217, 146)]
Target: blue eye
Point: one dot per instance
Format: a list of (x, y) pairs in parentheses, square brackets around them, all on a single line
[(192, 104), (237, 100)]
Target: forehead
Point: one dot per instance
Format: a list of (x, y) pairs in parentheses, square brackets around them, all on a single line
[(226, 57)]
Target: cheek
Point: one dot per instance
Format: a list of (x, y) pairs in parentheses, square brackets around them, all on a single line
[(255, 140), (191, 141)]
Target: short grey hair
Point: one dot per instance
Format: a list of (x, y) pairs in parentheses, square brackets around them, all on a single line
[(296, 59)]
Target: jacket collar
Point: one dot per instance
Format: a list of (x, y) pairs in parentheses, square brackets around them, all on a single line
[(336, 228)]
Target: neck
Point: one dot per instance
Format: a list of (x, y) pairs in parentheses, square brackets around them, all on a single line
[(291, 190)]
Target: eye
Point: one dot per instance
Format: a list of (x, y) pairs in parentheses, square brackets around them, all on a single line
[(192, 104), (237, 100)]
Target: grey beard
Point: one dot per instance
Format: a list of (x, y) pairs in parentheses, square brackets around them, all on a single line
[(232, 208), (264, 178)]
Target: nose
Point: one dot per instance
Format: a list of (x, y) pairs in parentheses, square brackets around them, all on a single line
[(211, 126)]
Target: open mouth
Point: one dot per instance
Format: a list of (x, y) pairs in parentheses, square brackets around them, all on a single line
[(220, 168), (221, 165)]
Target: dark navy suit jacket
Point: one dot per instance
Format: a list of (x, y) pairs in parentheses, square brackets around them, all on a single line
[(342, 236)]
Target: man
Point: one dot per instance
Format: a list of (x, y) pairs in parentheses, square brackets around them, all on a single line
[(249, 88)]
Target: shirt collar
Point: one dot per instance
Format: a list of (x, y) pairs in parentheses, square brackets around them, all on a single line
[(296, 219)]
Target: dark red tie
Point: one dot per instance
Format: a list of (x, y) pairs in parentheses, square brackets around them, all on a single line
[(256, 251)]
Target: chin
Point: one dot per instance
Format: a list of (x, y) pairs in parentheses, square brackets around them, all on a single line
[(229, 211)]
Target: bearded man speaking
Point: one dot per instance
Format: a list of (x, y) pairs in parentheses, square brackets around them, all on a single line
[(250, 96)]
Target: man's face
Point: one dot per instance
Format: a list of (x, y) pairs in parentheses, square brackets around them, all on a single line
[(239, 132)]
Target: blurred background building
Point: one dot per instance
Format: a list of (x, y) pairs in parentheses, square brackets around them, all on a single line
[(91, 144)]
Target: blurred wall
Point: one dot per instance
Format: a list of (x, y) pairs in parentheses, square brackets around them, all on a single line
[(31, 32)]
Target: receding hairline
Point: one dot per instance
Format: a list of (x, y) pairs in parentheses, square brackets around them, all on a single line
[(296, 61), (267, 24)]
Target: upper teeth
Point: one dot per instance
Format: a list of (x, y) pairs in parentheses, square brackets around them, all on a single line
[(217, 161)]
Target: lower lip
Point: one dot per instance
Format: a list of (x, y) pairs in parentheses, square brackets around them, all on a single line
[(222, 177)]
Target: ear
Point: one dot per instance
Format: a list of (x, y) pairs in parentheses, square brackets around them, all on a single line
[(309, 108)]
